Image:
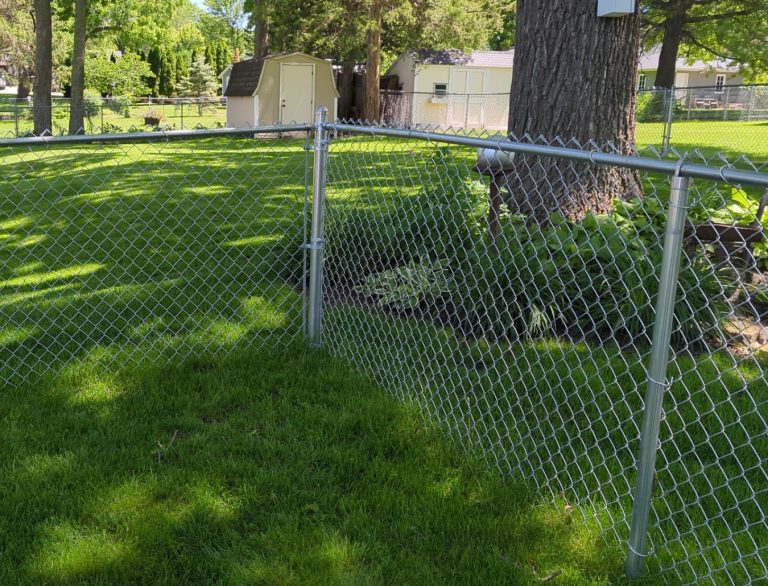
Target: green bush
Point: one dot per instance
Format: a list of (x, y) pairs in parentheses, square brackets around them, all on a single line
[(651, 107), (432, 225), (598, 278), (594, 279)]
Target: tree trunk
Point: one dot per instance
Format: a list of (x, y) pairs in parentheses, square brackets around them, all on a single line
[(22, 92), (670, 45), (347, 89), (76, 107), (574, 81), (41, 87), (260, 35), (373, 64)]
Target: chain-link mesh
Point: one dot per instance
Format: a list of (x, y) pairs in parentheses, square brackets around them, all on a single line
[(149, 250), (513, 299), (489, 293), (713, 119), (115, 115)]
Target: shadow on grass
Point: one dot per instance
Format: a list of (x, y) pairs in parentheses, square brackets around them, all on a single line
[(262, 467)]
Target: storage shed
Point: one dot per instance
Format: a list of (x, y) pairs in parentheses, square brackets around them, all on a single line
[(278, 89)]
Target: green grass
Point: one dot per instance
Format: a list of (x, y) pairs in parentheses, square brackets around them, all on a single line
[(264, 467), (733, 139), (163, 423), (174, 116)]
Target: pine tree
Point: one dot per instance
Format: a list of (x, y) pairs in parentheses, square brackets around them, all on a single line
[(199, 82), (181, 67), (167, 74), (155, 65)]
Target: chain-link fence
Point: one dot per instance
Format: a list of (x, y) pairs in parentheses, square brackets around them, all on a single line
[(146, 248), (444, 110), (711, 119), (111, 115), (524, 299), (488, 294)]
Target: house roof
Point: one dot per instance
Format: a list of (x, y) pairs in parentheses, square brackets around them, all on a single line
[(503, 59), (649, 61)]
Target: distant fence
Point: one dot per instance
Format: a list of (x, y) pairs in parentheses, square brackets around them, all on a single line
[(110, 115), (437, 110)]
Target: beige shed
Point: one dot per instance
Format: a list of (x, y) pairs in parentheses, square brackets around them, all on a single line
[(278, 89)]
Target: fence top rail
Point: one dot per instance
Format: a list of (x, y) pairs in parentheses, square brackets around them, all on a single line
[(725, 173), (152, 136)]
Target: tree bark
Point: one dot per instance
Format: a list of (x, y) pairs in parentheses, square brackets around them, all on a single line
[(76, 106), (260, 33), (574, 81), (41, 87), (347, 89), (372, 101), (670, 45)]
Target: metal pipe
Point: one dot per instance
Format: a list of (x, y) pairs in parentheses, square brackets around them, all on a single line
[(317, 243), (657, 372), (668, 115), (669, 167), (151, 136)]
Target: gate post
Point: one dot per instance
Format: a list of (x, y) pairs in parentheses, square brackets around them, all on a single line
[(317, 243), (657, 373)]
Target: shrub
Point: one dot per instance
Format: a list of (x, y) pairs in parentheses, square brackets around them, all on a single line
[(651, 107), (431, 225), (594, 279)]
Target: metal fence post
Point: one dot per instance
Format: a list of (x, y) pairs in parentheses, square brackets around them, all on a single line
[(725, 103), (657, 372), (668, 115), (316, 243), (16, 117)]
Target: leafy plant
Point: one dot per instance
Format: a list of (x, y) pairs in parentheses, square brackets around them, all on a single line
[(408, 286)]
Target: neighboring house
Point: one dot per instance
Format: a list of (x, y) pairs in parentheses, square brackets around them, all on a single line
[(278, 89), (714, 75), (452, 88)]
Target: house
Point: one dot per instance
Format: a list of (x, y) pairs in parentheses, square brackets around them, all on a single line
[(278, 89), (451, 88), (714, 75)]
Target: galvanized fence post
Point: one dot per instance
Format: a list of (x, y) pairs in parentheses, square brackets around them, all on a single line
[(669, 114), (317, 243), (657, 372)]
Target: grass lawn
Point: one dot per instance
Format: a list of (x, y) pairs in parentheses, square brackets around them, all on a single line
[(733, 139), (173, 116), (162, 421), (162, 424)]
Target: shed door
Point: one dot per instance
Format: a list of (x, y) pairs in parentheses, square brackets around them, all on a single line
[(297, 92), (467, 102)]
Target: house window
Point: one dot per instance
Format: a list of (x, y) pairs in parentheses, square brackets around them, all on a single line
[(441, 89), (719, 83), (641, 81)]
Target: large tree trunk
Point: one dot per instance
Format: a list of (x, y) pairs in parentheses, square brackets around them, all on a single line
[(574, 79), (260, 35), (670, 45), (347, 89), (41, 87), (372, 101), (76, 109)]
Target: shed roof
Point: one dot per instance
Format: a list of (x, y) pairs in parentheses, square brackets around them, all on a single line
[(502, 59), (245, 77)]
